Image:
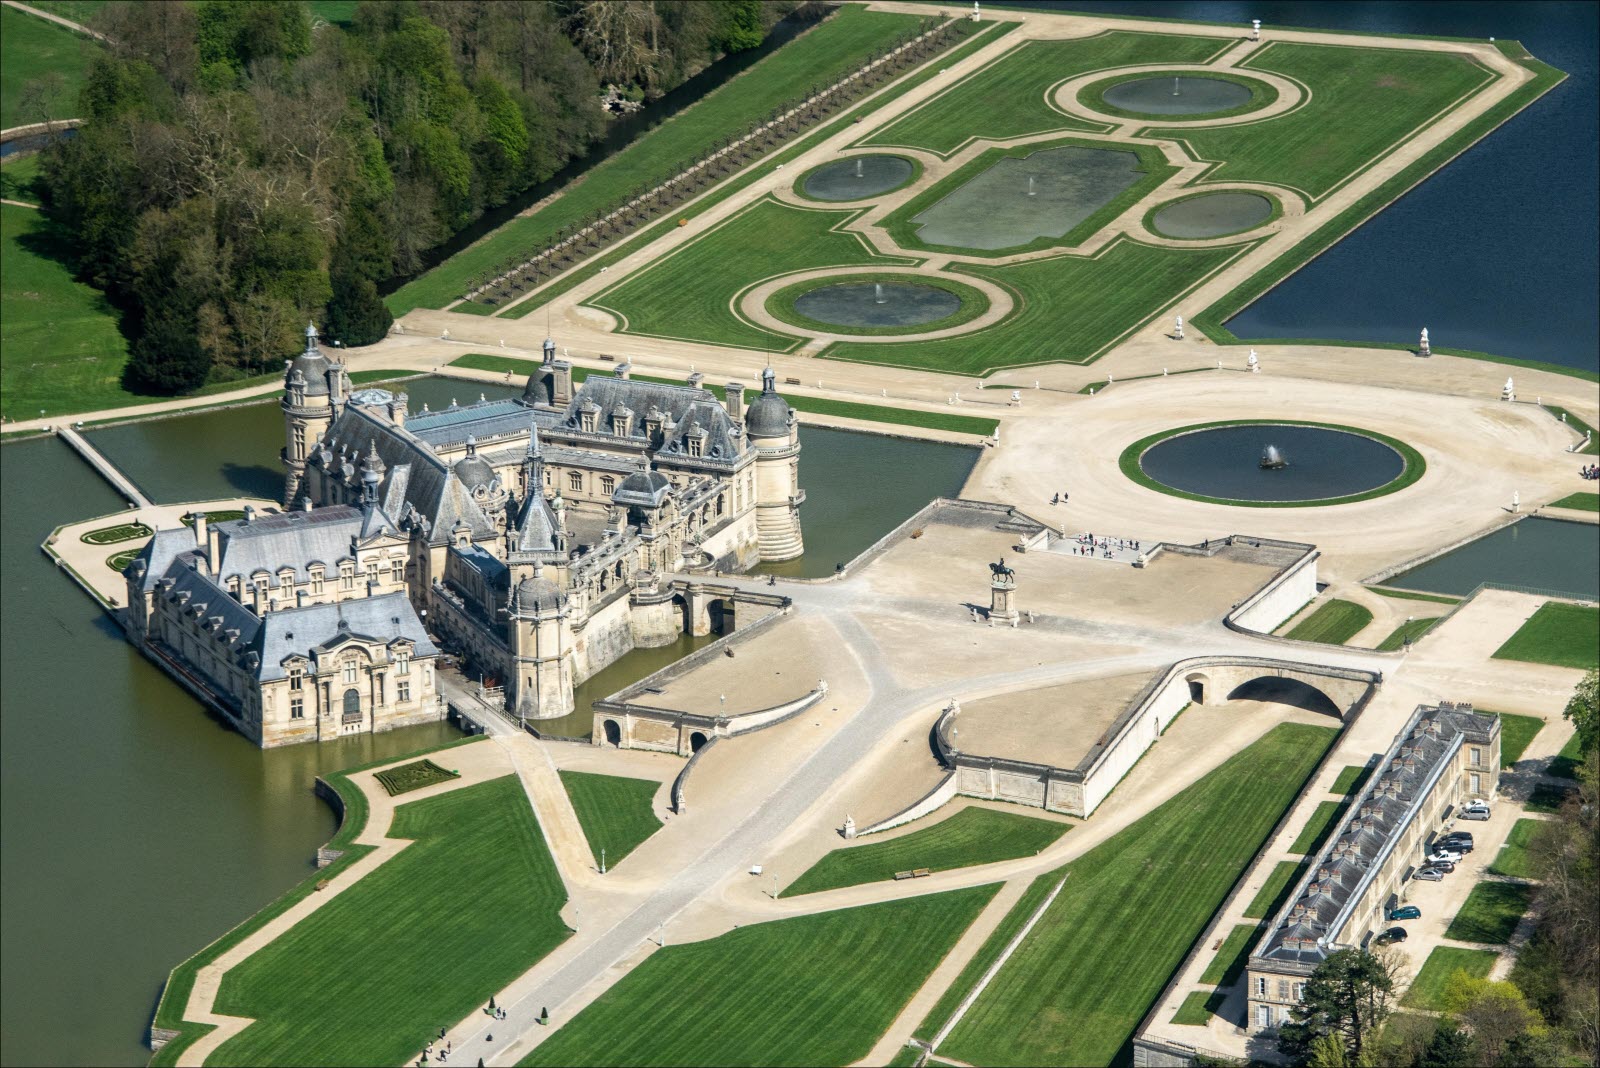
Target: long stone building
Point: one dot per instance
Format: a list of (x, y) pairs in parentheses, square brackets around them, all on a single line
[(532, 536)]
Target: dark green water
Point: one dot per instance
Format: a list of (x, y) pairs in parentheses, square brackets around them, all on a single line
[(1544, 554), (626, 671), (136, 829)]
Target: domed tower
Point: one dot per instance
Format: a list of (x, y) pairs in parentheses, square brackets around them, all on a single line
[(314, 388), (478, 476), (540, 643), (775, 434)]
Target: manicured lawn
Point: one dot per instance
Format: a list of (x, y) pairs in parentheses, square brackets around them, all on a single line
[(1565, 635), (1070, 308), (1413, 595), (1514, 859), (112, 535), (32, 48), (1427, 990), (1194, 1009), (1319, 826), (1490, 913), (60, 349), (1007, 98), (1376, 96), (688, 294), (1515, 734), (972, 836), (817, 989), (872, 413), (817, 57), (1407, 632), (616, 813), (1333, 623), (364, 979), (1132, 907), (413, 776), (16, 178), (1226, 967), (1578, 425), (1269, 899), (1351, 779), (1566, 762), (1583, 502)]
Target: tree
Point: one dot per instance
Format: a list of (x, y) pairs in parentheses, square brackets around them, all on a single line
[(167, 358), (1450, 1047), (741, 25), (1495, 1013), (356, 314), (1584, 711), (1348, 997)]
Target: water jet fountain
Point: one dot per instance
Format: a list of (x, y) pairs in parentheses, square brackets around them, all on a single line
[(1272, 459)]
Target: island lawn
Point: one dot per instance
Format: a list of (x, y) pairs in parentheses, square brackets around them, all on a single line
[(1566, 635), (1333, 623), (616, 813)]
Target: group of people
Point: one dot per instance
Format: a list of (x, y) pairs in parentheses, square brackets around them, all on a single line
[(1060, 498), (1088, 545), (444, 1053), (1590, 472)]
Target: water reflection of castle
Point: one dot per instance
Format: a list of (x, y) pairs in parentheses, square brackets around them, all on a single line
[(530, 534)]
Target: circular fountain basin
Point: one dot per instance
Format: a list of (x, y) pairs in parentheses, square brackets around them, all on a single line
[(857, 304), (1196, 95), (1223, 463), (841, 180), (1212, 215)]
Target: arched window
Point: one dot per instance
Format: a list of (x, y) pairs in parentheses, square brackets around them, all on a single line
[(352, 704)]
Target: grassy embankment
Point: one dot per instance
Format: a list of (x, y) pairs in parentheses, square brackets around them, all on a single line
[(817, 989), (1516, 858), (819, 56), (1333, 623), (616, 813), (972, 836), (1270, 898), (1082, 981), (1409, 631), (1583, 502)]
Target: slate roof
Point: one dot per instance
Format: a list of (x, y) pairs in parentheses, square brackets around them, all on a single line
[(296, 631), (159, 553), (226, 619), (483, 420), (292, 540), (687, 407)]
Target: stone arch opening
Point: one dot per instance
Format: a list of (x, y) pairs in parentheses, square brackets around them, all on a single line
[(723, 615), (613, 733), (680, 604), (697, 741), (1286, 691), (1198, 685)]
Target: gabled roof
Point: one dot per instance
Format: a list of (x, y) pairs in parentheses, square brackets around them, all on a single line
[(291, 540), (297, 631), (684, 406)]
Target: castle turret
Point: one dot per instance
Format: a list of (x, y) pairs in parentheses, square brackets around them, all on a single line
[(313, 389), (540, 642), (775, 434)]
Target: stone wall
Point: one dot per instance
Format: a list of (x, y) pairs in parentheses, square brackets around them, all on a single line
[(1266, 610), (605, 637)]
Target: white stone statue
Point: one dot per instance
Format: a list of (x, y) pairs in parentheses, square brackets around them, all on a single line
[(1179, 333), (1516, 501), (1254, 362), (1509, 392), (1255, 29), (976, 17), (849, 826)]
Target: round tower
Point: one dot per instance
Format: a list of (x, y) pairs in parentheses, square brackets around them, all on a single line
[(313, 388), (540, 642), (775, 435)]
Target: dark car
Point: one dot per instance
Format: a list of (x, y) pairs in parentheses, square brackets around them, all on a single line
[(1429, 875), (1405, 912), (1391, 936), (1458, 842)]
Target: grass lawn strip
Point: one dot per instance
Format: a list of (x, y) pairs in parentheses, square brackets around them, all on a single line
[(34, 48), (112, 535), (972, 836), (413, 776), (820, 56), (1578, 425), (873, 413), (1009, 97), (1351, 779), (1566, 762), (1413, 595), (616, 813), (1226, 967), (1581, 502), (1081, 992), (1547, 797), (1333, 623), (175, 995), (1409, 631), (364, 978), (1427, 990), (1270, 898), (1565, 635), (1490, 913), (1515, 860), (1193, 1010), (17, 175), (1415, 465), (1515, 734), (818, 989), (1319, 826)]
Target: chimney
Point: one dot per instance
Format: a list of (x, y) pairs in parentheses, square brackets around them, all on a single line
[(249, 513), (735, 401), (624, 370), (397, 409), (696, 380), (561, 386), (200, 540), (213, 546), (299, 598)]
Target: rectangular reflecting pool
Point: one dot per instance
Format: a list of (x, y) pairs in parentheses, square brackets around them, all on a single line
[(1544, 554)]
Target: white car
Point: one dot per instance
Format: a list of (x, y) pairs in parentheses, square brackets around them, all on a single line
[(1444, 854)]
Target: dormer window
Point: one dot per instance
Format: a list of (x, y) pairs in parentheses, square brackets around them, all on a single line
[(402, 662), (608, 485), (621, 421), (286, 579), (297, 678), (316, 580), (347, 576)]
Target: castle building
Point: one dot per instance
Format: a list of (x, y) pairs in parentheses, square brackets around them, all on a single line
[(534, 535)]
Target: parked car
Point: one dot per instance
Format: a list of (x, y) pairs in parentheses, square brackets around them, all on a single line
[(1457, 841), (1391, 936), (1440, 854), (1429, 875), (1405, 912), (1446, 866), (1477, 810)]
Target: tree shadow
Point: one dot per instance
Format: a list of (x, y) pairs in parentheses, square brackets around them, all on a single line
[(254, 480)]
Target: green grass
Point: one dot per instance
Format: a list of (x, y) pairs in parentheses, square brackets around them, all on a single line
[(1516, 859), (1351, 779), (616, 813), (1566, 762), (1583, 502), (1515, 734), (1547, 797), (1415, 465), (1490, 913), (32, 48), (1007, 98), (221, 516), (1565, 635), (1333, 623), (60, 349), (1270, 898), (817, 989), (1427, 990), (972, 836), (1578, 425), (1132, 907), (364, 978), (1408, 631), (1069, 308), (338, 12), (1319, 826), (79, 11), (16, 178), (1226, 967), (413, 776), (688, 294), (974, 303), (905, 1057), (873, 413), (1413, 595), (1195, 1009), (118, 562), (112, 535), (817, 57), (1376, 97)]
